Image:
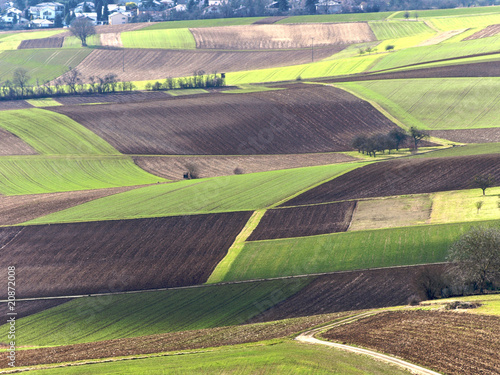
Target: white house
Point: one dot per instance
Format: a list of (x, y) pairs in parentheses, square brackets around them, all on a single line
[(91, 16), (180, 8), (118, 18), (328, 6), (47, 11), (42, 23)]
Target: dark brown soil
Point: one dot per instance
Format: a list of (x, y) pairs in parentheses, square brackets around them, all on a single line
[(146, 64), (6, 105), (174, 167), (11, 144), (469, 135), (403, 176), (205, 338), (94, 257), (17, 209), (304, 221), (448, 342), (299, 120), (119, 97), (42, 43), (353, 290), (26, 308), (491, 30)]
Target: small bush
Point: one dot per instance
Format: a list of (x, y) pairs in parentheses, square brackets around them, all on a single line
[(238, 170)]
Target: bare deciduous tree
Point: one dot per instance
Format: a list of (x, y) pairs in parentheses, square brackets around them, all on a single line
[(82, 28)]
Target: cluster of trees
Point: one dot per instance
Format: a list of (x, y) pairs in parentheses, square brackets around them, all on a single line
[(390, 141), (198, 80)]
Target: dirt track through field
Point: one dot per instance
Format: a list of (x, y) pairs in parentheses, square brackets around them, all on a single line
[(282, 36), (174, 167), (146, 64), (307, 119), (441, 37)]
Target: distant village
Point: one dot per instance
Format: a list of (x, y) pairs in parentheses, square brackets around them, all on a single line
[(21, 15)]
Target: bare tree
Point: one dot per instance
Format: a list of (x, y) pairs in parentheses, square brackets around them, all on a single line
[(82, 28), (20, 79), (72, 79), (417, 135), (483, 182), (399, 136), (476, 257)]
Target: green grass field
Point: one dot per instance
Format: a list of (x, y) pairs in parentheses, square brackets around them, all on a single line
[(452, 12), (11, 41), (216, 22), (42, 174), (272, 357), (74, 42), (319, 69), (245, 192), (42, 64), (164, 38), (51, 133), (436, 103), (398, 29), (418, 55), (465, 22), (472, 149), (346, 251), (47, 102), (130, 315), (348, 17)]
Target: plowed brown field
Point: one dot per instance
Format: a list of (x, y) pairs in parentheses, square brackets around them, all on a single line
[(174, 167), (10, 144), (282, 36), (204, 338), (118, 97), (354, 290), (83, 258), (42, 43), (304, 221), (448, 342), (399, 177), (5, 105), (144, 64), (469, 135), (17, 209), (491, 30), (26, 308), (302, 120)]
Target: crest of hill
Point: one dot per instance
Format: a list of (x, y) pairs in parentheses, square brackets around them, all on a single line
[(300, 120)]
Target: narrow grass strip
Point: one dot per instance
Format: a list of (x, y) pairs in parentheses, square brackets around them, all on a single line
[(225, 264)]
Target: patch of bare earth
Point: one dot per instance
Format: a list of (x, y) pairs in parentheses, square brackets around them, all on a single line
[(448, 342), (353, 290), (491, 30), (308, 119), (111, 40), (6, 105), (11, 144), (489, 135), (174, 167), (145, 64), (26, 308), (54, 42), (20, 208), (165, 342), (282, 36)]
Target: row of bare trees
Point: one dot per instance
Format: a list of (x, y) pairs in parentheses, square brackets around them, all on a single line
[(198, 80)]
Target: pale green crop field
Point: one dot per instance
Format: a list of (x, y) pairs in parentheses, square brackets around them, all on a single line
[(245, 192), (47, 102), (51, 133), (454, 23), (74, 42), (284, 357), (130, 315), (11, 41), (216, 22), (41, 174), (436, 103), (452, 12), (346, 251), (398, 29), (163, 38), (350, 17), (42, 64)]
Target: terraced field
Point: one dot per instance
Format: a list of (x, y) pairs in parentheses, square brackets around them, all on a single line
[(437, 104), (302, 120), (114, 256), (230, 193), (281, 36)]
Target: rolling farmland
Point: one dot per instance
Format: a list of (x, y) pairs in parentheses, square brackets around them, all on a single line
[(304, 221), (400, 177), (346, 251), (491, 30), (112, 256), (302, 120), (454, 343), (203, 23), (13, 145), (163, 38), (453, 23), (229, 193), (437, 104), (55, 42), (281, 36), (11, 41), (393, 30)]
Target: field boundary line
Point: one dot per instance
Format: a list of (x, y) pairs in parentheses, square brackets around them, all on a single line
[(311, 275), (284, 200), (308, 337), (235, 249)]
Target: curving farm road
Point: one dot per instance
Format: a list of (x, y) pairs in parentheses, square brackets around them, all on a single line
[(308, 337)]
